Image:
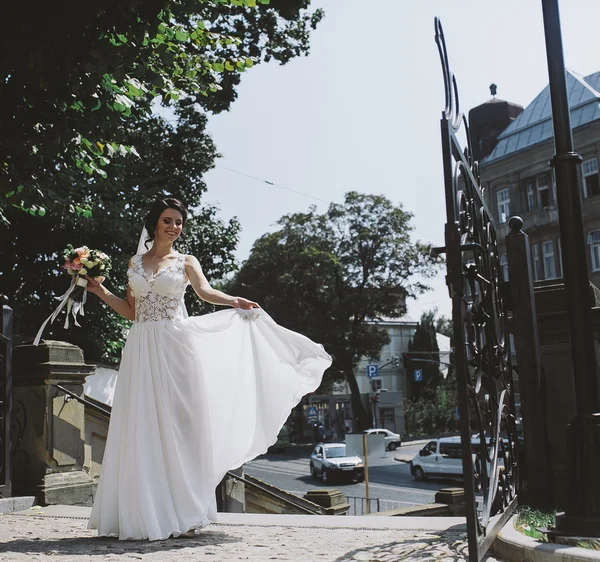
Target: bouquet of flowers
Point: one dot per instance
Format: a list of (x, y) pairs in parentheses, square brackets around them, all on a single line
[(79, 263)]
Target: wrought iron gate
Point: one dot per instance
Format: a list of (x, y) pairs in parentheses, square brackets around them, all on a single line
[(482, 344), (5, 397)]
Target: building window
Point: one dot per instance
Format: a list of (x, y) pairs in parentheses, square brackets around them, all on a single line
[(591, 184), (543, 190), (549, 261), (594, 243), (536, 262), (530, 196), (504, 266), (503, 198)]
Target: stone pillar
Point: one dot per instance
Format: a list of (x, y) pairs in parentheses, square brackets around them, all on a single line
[(48, 425)]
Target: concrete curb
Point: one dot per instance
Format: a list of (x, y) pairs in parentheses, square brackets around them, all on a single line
[(515, 546), (10, 505)]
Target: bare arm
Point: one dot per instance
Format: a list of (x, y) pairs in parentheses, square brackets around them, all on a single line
[(203, 289), (125, 307)]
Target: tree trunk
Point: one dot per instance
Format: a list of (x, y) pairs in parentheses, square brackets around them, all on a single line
[(362, 419)]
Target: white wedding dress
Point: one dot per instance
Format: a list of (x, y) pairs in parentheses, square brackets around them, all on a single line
[(195, 398)]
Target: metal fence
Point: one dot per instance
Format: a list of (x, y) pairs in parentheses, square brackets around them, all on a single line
[(358, 505), (482, 347)]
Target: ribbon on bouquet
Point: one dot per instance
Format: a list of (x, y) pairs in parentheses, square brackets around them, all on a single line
[(73, 308)]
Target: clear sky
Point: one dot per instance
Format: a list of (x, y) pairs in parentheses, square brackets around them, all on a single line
[(362, 111)]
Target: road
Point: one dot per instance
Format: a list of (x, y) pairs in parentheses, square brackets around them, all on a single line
[(389, 480)]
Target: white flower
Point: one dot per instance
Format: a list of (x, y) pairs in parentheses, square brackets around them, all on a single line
[(82, 271), (102, 267), (96, 261)]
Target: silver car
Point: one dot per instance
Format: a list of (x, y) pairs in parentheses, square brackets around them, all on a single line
[(329, 459)]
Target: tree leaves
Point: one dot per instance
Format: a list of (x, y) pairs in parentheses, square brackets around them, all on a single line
[(332, 276), (86, 72), (109, 215)]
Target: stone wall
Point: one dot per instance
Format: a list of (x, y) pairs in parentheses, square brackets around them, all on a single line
[(48, 429)]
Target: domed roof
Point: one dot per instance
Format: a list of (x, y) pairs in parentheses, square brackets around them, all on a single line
[(534, 125)]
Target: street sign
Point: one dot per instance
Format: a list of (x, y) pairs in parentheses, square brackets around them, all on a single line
[(418, 375), (372, 371), (311, 413)]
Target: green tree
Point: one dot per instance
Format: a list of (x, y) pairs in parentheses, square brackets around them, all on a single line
[(326, 275), (76, 76), (174, 157), (424, 355), (443, 325), (432, 403)]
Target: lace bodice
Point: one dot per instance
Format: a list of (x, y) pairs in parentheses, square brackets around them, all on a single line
[(158, 297)]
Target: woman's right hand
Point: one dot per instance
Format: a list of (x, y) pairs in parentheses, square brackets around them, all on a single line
[(94, 286)]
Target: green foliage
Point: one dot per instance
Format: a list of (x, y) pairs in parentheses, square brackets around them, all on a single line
[(431, 409), (173, 161), (77, 76), (433, 415), (529, 520), (327, 275), (424, 355)]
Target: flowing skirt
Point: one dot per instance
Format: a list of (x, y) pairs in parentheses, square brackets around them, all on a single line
[(195, 398)]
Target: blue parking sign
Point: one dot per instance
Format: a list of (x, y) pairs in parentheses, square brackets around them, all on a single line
[(372, 371), (418, 375)]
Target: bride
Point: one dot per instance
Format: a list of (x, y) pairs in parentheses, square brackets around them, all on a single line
[(195, 396)]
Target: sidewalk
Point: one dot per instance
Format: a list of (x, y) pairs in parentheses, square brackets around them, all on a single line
[(59, 533)]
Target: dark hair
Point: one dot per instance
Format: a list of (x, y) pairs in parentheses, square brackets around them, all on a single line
[(157, 209)]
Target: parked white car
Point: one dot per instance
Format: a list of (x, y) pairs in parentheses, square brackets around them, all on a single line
[(392, 440), (329, 459), (442, 458)]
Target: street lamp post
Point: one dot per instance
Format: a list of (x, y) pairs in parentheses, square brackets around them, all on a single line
[(582, 514)]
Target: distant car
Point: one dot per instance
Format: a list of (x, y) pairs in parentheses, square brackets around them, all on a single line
[(392, 440), (329, 460)]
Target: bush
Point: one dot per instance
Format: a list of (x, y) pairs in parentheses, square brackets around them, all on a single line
[(433, 415)]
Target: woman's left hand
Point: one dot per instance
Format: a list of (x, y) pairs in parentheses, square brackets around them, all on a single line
[(244, 304)]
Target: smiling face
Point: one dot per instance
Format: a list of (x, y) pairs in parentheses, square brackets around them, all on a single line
[(169, 225)]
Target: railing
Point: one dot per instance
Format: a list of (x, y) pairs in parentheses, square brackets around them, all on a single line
[(358, 505), (6, 344), (285, 499), (88, 403), (484, 372)]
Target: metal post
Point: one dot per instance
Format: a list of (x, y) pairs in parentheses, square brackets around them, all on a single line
[(583, 512), (573, 250), (524, 321), (365, 453)]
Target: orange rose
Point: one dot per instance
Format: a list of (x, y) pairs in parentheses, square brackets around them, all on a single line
[(82, 252)]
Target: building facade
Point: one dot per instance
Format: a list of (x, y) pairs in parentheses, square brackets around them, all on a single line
[(388, 387), (517, 178)]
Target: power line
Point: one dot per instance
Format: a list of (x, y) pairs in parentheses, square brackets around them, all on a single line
[(272, 184)]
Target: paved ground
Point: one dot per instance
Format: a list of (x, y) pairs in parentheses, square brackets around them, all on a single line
[(56, 535)]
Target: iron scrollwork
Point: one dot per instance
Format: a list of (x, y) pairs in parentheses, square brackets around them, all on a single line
[(482, 344)]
